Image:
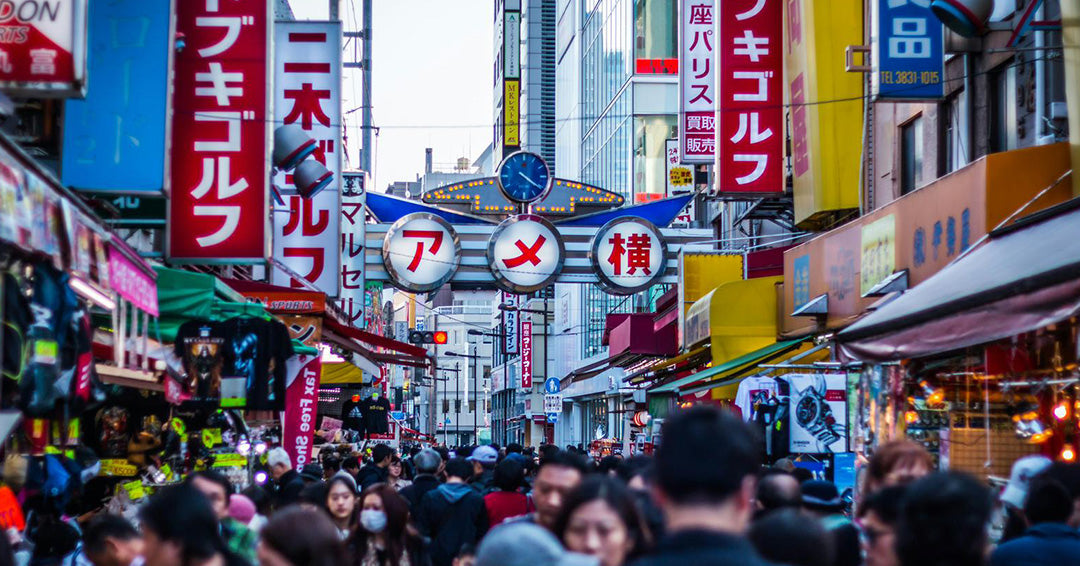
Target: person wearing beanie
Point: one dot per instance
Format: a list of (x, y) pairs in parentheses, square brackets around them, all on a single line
[(821, 499)]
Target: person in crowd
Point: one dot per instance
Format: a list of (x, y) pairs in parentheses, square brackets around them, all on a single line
[(242, 509), (527, 544), (180, 528), (217, 489), (507, 501), (706, 494), (286, 485), (943, 520), (466, 556), (313, 496), (786, 537), (298, 536), (377, 470), (515, 451), (560, 472), (384, 536), (483, 460), (639, 474), (331, 465), (1049, 540), (1010, 514), (110, 540), (395, 475), (312, 473), (1068, 475), (897, 462), (261, 498), (351, 466), (821, 499), (341, 503), (453, 514), (776, 489), (609, 464), (878, 517), (428, 465), (601, 518), (802, 475)]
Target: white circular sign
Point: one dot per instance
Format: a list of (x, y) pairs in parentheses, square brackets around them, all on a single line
[(421, 252), (628, 255), (525, 253)]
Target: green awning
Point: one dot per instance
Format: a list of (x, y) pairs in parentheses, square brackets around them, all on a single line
[(746, 360)]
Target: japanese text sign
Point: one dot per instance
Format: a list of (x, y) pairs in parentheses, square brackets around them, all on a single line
[(511, 113), (697, 83), (526, 354), (421, 251), (131, 283), (217, 210), (909, 57), (307, 92), (510, 324), (628, 254), (878, 259), (526, 253), (353, 214), (43, 47), (750, 96)]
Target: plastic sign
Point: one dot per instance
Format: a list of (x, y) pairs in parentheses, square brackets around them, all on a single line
[(629, 255), (511, 326), (525, 253), (43, 51), (909, 58), (421, 252), (526, 354), (697, 82)]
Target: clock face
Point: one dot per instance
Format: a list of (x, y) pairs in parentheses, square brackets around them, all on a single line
[(524, 177)]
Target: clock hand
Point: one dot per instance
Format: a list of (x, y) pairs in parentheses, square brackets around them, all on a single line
[(531, 182)]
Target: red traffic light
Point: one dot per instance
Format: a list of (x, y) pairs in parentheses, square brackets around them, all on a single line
[(440, 337)]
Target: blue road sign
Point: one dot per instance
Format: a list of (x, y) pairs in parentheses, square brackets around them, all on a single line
[(552, 386)]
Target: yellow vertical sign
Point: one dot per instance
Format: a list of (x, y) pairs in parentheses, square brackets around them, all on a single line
[(878, 252), (511, 113)]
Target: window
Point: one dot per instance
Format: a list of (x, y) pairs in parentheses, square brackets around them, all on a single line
[(1002, 110), (911, 155), (472, 406), (457, 405), (656, 35), (952, 144), (445, 406), (650, 167)]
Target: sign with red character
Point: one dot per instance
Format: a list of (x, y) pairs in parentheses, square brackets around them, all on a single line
[(697, 81), (629, 255), (43, 47), (421, 252), (525, 253), (351, 274), (526, 354), (307, 92), (217, 210), (750, 111)]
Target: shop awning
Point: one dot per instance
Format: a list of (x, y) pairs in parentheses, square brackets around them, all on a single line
[(376, 340), (735, 318), (699, 355), (1025, 277), (725, 386), (343, 373), (718, 372)]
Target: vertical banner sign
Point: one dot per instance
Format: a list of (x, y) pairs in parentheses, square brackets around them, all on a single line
[(526, 354), (750, 97), (510, 324), (307, 92), (697, 82), (909, 58), (220, 164), (43, 47), (680, 180), (301, 404), (511, 113), (511, 64), (353, 214)]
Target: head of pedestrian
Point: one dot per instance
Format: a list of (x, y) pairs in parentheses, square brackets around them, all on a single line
[(279, 462), (428, 462), (110, 540), (526, 544), (560, 472), (943, 521), (215, 487), (776, 489), (601, 518), (458, 470), (821, 498), (298, 536), (878, 516), (351, 465), (1068, 476), (898, 462), (180, 528), (382, 455), (784, 536), (483, 458), (341, 501), (384, 525), (706, 471)]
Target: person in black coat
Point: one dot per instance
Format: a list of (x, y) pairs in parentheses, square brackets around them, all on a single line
[(1049, 540), (287, 484), (453, 514), (377, 470), (428, 464)]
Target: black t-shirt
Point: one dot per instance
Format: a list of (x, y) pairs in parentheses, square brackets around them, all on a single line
[(352, 415), (201, 345), (376, 413), (257, 352)]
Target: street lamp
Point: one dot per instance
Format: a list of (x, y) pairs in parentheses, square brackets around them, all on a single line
[(547, 314), (475, 380)]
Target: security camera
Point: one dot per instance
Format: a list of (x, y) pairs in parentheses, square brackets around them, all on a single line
[(291, 146), (966, 17), (310, 178)]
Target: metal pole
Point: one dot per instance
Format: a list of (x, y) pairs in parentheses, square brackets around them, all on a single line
[(334, 4), (457, 397), (366, 126), (475, 396)]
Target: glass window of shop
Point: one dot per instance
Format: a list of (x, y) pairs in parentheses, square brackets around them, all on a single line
[(911, 155), (650, 135), (606, 55), (656, 30)]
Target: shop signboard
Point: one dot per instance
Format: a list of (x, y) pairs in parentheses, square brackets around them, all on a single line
[(511, 44), (301, 404), (421, 252), (818, 409), (44, 47), (511, 113), (526, 354), (352, 223), (680, 180), (525, 253), (115, 138), (511, 326), (749, 97), (306, 329), (628, 255), (132, 283), (219, 165), (697, 81), (908, 51), (878, 252), (133, 210), (307, 92)]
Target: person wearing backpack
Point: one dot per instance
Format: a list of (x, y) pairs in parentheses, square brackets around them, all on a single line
[(453, 514)]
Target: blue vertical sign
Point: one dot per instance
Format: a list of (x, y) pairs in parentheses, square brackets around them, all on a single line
[(800, 292), (909, 54), (114, 139)]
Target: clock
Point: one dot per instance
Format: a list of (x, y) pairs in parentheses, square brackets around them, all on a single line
[(524, 177)]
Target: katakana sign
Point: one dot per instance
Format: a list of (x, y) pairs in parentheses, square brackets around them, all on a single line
[(525, 253), (749, 110), (43, 47), (217, 209), (353, 216), (421, 252), (697, 81), (628, 254)]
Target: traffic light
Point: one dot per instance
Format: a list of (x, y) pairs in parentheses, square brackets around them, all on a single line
[(427, 337)]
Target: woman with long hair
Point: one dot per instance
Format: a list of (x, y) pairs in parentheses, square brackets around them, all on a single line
[(384, 536), (341, 503), (396, 476), (601, 518), (180, 528), (298, 536)]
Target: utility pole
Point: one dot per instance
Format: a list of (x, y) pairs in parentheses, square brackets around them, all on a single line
[(334, 5), (366, 125)]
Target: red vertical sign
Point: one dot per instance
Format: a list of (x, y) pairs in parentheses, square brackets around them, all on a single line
[(526, 354), (217, 207), (301, 404), (750, 114)]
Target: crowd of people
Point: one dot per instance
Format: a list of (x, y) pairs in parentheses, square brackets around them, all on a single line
[(704, 497)]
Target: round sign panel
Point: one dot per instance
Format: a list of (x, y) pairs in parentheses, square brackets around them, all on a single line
[(525, 253), (628, 255), (421, 252)]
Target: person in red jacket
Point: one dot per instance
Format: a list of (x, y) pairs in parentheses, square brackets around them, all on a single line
[(507, 501)]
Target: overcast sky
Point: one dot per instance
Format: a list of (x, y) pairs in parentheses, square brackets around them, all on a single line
[(432, 84)]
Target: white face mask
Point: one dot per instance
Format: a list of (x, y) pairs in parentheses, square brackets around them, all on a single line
[(373, 521)]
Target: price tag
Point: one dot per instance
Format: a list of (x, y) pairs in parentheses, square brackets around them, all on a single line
[(211, 437), (230, 461), (134, 489), (117, 468)]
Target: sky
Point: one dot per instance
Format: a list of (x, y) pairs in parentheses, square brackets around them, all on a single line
[(431, 81)]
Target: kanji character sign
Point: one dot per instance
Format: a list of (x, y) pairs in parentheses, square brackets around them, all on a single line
[(628, 254), (421, 252), (526, 254)]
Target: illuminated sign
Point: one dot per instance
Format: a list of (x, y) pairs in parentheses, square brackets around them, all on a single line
[(525, 253), (628, 255), (421, 251)]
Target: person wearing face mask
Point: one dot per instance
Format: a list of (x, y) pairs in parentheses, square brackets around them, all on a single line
[(384, 536), (601, 518), (341, 503)]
